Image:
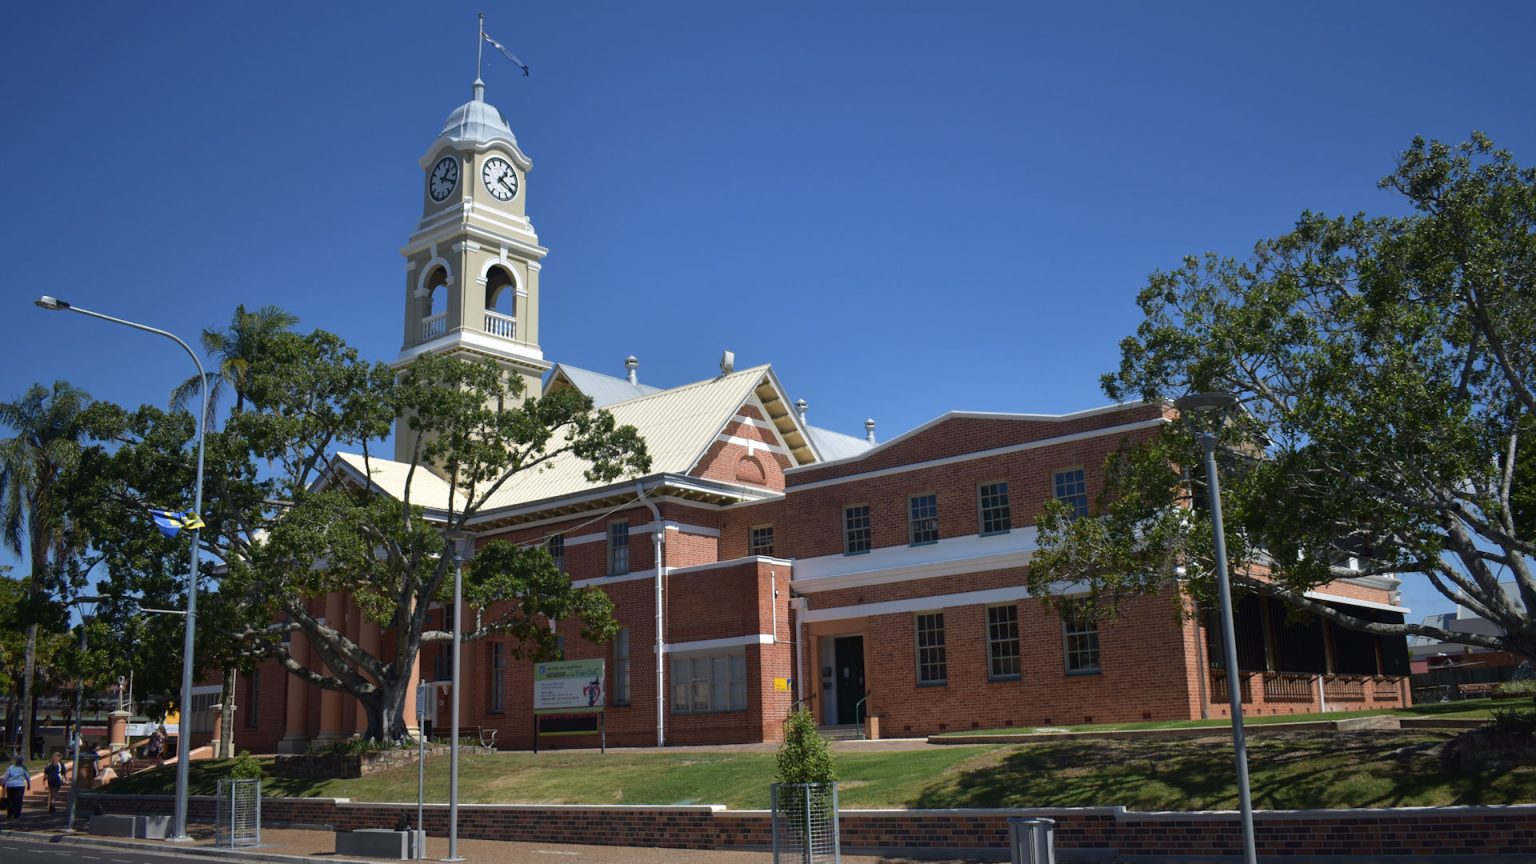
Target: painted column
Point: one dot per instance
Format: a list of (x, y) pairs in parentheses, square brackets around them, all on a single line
[(218, 729), (295, 737), (331, 700), (117, 730)]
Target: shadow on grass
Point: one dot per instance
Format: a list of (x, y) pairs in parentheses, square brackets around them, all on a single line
[(1294, 771)]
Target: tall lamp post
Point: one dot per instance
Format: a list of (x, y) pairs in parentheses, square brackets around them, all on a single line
[(179, 829), (463, 549), (74, 783), (1215, 405)]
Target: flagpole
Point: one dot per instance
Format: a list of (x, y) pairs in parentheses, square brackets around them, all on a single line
[(480, 49)]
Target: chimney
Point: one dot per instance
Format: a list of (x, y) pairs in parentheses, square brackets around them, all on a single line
[(800, 407), (632, 363), (869, 430)]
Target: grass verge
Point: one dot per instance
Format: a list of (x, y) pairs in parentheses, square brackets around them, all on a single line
[(1475, 709)]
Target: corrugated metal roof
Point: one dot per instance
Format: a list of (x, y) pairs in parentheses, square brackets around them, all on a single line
[(835, 445), (678, 426), (605, 390)]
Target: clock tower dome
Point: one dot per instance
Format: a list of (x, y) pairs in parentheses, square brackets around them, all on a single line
[(472, 264)]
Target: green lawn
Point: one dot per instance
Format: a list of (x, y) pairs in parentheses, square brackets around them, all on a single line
[(1290, 770), (1476, 709)]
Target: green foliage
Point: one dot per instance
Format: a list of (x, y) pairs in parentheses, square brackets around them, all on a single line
[(803, 756), (1524, 672), (1514, 722), (1386, 369), (245, 767), (1517, 687)]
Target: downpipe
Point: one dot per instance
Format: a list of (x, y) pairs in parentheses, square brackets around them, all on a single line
[(658, 549)]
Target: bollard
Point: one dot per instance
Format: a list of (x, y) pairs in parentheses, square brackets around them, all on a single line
[(1031, 840)]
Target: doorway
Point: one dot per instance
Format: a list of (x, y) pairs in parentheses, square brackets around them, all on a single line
[(848, 657)]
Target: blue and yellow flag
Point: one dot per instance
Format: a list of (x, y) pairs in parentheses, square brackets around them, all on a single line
[(171, 522)]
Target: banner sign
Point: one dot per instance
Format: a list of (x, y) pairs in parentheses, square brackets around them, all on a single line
[(568, 687)]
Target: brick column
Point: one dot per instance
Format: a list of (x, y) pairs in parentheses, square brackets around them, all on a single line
[(331, 728), (117, 730), (295, 736), (412, 722), (367, 638)]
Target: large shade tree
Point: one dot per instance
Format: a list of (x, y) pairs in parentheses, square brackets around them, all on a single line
[(1386, 369), (288, 526), (45, 443)]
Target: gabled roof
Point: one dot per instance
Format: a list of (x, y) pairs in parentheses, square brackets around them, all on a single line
[(605, 390), (678, 425)]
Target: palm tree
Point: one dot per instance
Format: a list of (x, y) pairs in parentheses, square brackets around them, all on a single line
[(46, 444), (235, 350)]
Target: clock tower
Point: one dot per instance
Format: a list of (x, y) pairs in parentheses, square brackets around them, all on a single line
[(472, 264)]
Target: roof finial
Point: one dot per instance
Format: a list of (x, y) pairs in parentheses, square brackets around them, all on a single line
[(800, 408), (632, 363), (479, 55), (869, 430)]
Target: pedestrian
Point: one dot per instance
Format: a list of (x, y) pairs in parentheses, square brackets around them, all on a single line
[(156, 748), (53, 775), (17, 778), (124, 760)]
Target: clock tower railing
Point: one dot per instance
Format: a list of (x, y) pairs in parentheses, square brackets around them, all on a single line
[(434, 326), (497, 324)]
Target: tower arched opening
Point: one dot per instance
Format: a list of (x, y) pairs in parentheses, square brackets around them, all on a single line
[(500, 303)]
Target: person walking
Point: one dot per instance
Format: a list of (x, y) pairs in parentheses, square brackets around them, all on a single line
[(17, 778), (53, 775), (156, 748)]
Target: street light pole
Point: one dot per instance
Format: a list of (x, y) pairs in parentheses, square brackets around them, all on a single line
[(1214, 403), (74, 782), (463, 548), (179, 828)]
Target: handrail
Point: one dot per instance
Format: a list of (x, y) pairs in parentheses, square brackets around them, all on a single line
[(857, 709)]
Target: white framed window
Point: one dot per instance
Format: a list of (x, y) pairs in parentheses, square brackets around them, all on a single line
[(555, 545), (709, 683), (923, 519), (498, 677), (856, 529), (760, 540), (621, 667), (1072, 487), (932, 666), (1081, 644), (993, 505), (618, 548), (1002, 642)]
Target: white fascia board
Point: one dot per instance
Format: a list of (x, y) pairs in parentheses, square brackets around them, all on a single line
[(651, 484), (1381, 582), (967, 457), (647, 528), (974, 415), (1352, 601), (734, 562), (717, 644), (936, 602), (948, 557)]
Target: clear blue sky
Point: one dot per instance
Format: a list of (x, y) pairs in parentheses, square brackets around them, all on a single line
[(906, 208)]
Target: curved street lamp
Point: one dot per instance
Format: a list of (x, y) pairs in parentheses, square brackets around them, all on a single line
[(1216, 405), (183, 734)]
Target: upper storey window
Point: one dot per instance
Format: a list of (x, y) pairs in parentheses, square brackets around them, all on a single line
[(995, 515), (760, 540), (1072, 487), (618, 548), (856, 529), (923, 519)]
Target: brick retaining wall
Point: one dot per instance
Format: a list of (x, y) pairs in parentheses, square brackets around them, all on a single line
[(1451, 832)]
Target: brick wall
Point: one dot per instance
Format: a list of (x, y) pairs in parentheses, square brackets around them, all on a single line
[(1446, 834)]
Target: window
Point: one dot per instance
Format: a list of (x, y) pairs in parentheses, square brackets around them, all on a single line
[(856, 529), (618, 548), (555, 545), (1072, 487), (1002, 642), (498, 678), (995, 517), (931, 666), (923, 519), (1082, 646), (760, 541), (252, 698), (707, 684), (202, 711), (621, 667)]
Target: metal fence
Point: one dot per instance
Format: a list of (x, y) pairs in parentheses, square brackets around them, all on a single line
[(237, 820), (805, 823)]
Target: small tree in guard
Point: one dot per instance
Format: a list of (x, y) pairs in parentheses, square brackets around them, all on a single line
[(805, 825), (238, 814)]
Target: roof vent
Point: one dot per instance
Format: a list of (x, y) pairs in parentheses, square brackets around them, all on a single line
[(632, 363), (727, 362), (800, 406), (869, 430)]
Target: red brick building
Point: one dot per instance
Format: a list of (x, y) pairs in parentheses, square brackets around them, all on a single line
[(767, 562)]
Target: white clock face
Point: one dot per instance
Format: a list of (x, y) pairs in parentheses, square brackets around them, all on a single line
[(444, 176), (499, 178)]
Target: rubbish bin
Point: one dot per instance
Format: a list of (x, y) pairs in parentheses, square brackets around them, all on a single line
[(1031, 840)]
